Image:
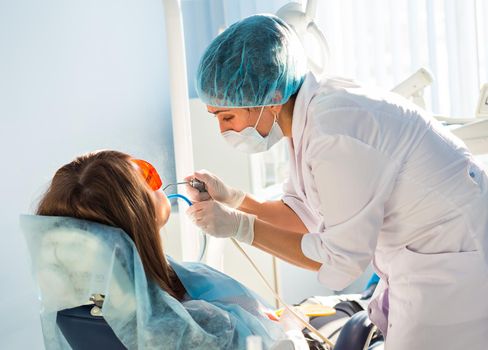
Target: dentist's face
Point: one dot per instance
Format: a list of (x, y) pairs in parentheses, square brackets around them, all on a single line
[(238, 119)]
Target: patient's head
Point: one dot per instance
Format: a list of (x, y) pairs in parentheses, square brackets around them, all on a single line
[(108, 187)]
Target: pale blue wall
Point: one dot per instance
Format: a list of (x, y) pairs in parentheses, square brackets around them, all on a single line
[(75, 76)]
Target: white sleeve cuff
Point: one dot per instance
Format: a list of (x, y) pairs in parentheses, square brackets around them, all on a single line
[(331, 273), (311, 247), (335, 279)]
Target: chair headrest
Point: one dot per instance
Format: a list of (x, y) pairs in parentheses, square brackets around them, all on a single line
[(74, 259)]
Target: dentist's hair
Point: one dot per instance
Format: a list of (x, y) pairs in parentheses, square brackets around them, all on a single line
[(105, 187)]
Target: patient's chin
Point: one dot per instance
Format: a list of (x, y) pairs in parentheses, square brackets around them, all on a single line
[(162, 221), (163, 209), (162, 215)]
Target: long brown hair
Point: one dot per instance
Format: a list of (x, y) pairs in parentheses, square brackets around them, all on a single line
[(105, 187)]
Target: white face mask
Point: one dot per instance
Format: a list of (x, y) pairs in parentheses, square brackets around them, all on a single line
[(249, 140)]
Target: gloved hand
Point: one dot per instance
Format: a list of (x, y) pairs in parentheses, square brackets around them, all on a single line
[(220, 221), (216, 189)]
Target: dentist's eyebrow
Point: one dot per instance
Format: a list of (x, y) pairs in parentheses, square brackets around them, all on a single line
[(219, 111)]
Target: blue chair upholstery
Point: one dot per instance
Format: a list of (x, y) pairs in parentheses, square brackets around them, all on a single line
[(86, 332), (358, 333)]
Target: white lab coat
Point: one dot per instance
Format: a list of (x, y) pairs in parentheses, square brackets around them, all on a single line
[(376, 179)]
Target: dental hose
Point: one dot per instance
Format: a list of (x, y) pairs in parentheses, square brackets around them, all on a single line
[(278, 298), (204, 236), (177, 195)]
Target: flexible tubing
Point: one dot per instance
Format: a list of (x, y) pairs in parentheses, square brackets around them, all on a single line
[(289, 308), (204, 245), (177, 195)]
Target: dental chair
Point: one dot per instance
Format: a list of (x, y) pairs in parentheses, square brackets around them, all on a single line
[(94, 294), (85, 329)]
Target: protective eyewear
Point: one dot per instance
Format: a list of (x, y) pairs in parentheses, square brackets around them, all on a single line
[(154, 181), (149, 174)]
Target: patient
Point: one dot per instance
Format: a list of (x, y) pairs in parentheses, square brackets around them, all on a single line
[(114, 189), (109, 187)]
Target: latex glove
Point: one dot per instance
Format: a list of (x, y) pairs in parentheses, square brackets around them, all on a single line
[(216, 189), (220, 221)]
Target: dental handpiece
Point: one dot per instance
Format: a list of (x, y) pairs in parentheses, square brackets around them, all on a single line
[(199, 185)]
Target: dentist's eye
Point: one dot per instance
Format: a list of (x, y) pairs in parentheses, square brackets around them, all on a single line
[(226, 119)]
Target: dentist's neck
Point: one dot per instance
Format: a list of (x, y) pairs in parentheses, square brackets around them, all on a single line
[(285, 116)]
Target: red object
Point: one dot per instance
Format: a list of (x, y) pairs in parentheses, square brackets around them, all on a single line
[(271, 315)]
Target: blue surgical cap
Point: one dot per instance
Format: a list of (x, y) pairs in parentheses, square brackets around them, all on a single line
[(257, 61)]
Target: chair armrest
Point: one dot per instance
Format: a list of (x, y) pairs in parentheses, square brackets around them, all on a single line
[(356, 333)]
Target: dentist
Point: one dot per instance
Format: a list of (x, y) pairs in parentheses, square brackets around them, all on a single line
[(372, 179)]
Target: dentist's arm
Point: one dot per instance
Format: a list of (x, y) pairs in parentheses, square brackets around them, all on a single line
[(221, 221), (281, 243), (276, 213)]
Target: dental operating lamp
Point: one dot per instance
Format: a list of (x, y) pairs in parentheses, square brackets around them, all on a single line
[(311, 37)]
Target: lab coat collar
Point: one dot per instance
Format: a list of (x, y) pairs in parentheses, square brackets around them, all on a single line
[(305, 94)]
